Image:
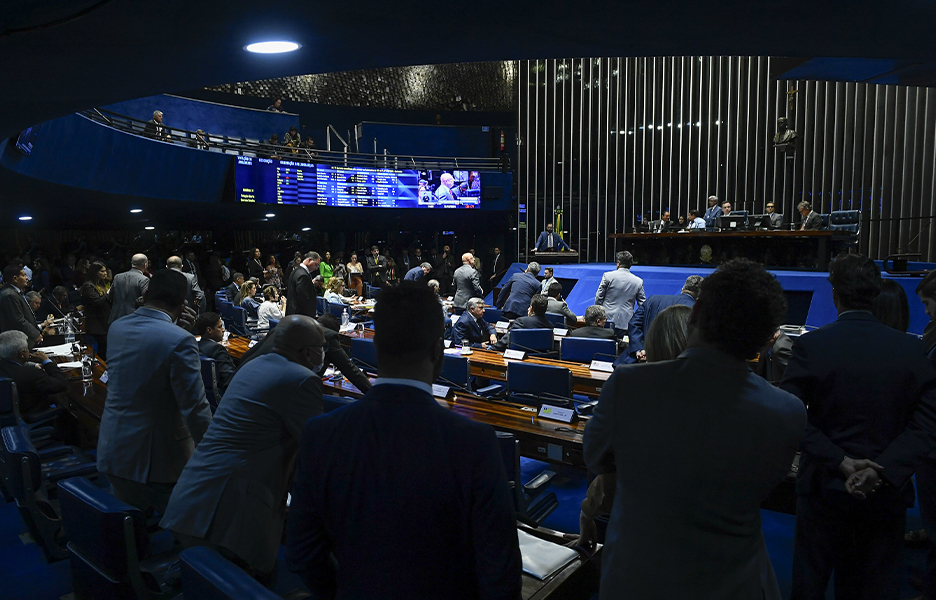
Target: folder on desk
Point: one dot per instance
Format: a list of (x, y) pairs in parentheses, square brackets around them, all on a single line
[(543, 559)]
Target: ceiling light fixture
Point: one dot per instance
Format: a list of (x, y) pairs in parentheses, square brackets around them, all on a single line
[(149, 228), (25, 218), (307, 229), (134, 211), (272, 47), (269, 215)]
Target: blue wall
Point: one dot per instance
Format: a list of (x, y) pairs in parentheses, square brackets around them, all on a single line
[(77, 152), (217, 119)]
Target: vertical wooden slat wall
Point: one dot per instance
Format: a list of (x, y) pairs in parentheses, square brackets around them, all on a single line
[(611, 142)]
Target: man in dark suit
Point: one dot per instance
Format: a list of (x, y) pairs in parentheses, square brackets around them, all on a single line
[(55, 305), (128, 288), (776, 219), (417, 273), (300, 293), (595, 319), (558, 306), (549, 241), (870, 420), (647, 312), (444, 270), (926, 467), (535, 319), (196, 297), (231, 495), (211, 329), (190, 265), (376, 268), (663, 224), (15, 314), (154, 128), (34, 383), (467, 283), (335, 354), (471, 326), (438, 476), (724, 443), (515, 296), (499, 265), (811, 219), (232, 290)]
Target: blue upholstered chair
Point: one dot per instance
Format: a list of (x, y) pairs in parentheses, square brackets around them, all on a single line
[(364, 354), (206, 575), (583, 350), (533, 384), (531, 503), (209, 372), (534, 341)]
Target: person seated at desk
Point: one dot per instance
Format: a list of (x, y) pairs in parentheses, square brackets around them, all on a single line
[(535, 319), (663, 224), (35, 381), (695, 221), (231, 496), (471, 326), (247, 301), (272, 307), (811, 219), (334, 293), (776, 219), (34, 300), (335, 354), (549, 241), (595, 319), (232, 291), (55, 306), (404, 460), (555, 304), (211, 329), (726, 210), (548, 280)]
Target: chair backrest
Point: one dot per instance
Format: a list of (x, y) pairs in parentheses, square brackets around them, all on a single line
[(209, 373), (540, 340), (338, 309), (578, 349), (364, 353), (455, 369), (226, 309), (493, 315), (825, 220), (18, 452), (273, 323), (8, 406), (556, 319), (207, 575), (239, 321), (740, 213), (321, 305), (98, 525), (845, 220), (545, 381), (510, 453)]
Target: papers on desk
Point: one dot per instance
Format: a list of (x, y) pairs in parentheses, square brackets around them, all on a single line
[(501, 326), (70, 365), (60, 350), (542, 559), (453, 351), (440, 391)]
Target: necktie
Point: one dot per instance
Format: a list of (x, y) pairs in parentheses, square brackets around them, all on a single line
[(550, 243)]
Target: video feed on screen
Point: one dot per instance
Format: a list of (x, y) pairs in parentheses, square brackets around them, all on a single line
[(449, 189)]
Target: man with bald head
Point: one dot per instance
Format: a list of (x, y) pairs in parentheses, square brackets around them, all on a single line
[(128, 288), (196, 297), (467, 283), (445, 192), (232, 494)]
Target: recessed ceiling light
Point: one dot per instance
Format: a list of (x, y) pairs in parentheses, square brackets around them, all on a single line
[(25, 218), (269, 215), (149, 228), (306, 228), (136, 210), (272, 47)]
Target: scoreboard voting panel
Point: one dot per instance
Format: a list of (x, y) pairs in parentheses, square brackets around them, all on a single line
[(277, 181)]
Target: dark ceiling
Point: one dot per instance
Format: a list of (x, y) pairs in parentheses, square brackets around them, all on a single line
[(60, 56)]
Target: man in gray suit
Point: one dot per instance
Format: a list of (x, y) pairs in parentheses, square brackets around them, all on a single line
[(232, 494), (557, 306), (812, 221), (196, 297), (128, 287), (467, 283), (776, 219), (156, 411), (724, 443), (15, 313), (620, 291)]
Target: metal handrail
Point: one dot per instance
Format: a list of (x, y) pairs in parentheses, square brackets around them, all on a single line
[(243, 147)]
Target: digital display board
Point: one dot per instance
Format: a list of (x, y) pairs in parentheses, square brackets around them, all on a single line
[(277, 181)]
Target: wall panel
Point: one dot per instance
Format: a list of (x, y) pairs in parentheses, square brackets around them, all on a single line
[(613, 142)]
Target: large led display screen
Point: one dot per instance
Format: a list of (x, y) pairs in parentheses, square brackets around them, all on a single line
[(276, 181)]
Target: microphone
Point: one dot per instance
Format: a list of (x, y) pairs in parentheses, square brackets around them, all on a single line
[(52, 301), (512, 345)]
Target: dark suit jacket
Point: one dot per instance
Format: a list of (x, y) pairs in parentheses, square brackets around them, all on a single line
[(476, 331), (300, 293), (646, 313), (870, 393), (813, 222), (591, 331), (15, 314), (376, 270), (528, 322), (34, 385), (711, 452), (50, 307), (414, 274), (410, 498), (543, 240), (125, 290), (772, 362), (232, 290), (224, 364), (516, 295), (335, 355), (255, 269), (97, 309), (232, 491)]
